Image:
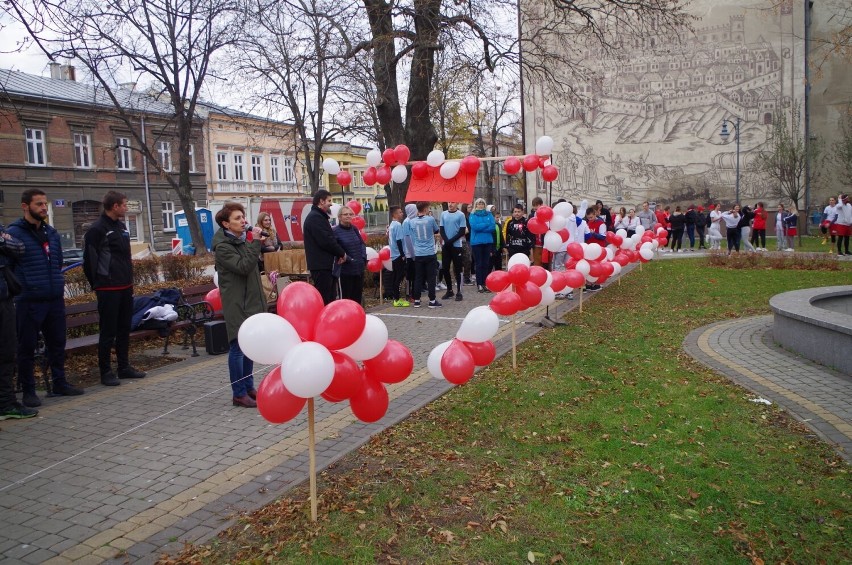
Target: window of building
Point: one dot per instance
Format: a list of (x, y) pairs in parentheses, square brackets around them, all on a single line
[(289, 175), (239, 174), (274, 172), (168, 216), (191, 158), (164, 148), (222, 166), (257, 168), (83, 150), (35, 147), (132, 222), (123, 159)]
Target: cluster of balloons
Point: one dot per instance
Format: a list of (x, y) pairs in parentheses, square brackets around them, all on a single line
[(457, 359), (523, 286), (540, 160), (358, 220), (378, 259), (317, 350)]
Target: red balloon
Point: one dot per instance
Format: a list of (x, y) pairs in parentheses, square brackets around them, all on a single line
[(558, 282), (536, 226), (355, 206), (518, 274), (393, 365), (389, 157), (300, 304), (214, 297), (383, 175), (344, 178), (570, 264), (359, 222), (457, 363), (622, 259), (374, 265), (506, 303), (538, 276), (602, 279), (363, 235), (657, 226), (617, 240), (469, 164), (663, 242), (347, 378), (370, 403), (602, 255), (574, 279), (384, 253), (608, 269), (549, 173), (530, 163), (402, 154), (483, 352), (563, 233), (340, 324), (370, 176), (544, 213), (420, 170), (530, 294), (274, 402), (512, 165), (575, 251), (595, 269), (497, 281)]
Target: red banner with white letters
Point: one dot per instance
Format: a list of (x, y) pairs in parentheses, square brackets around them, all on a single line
[(435, 188)]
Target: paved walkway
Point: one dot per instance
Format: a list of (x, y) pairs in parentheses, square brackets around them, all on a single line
[(127, 473)]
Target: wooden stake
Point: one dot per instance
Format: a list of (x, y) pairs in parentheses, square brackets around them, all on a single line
[(582, 288), (313, 459), (381, 294), (514, 345)]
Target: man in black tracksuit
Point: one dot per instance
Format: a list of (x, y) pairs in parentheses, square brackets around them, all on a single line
[(109, 269), (321, 248), (518, 237)]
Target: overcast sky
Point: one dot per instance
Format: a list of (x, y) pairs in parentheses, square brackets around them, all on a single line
[(31, 60)]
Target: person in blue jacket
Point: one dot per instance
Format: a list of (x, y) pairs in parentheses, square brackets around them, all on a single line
[(481, 241), (350, 273), (41, 305)]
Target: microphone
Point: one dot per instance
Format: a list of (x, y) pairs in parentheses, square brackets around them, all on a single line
[(264, 234)]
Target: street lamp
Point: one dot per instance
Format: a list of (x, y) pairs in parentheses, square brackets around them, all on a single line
[(725, 134)]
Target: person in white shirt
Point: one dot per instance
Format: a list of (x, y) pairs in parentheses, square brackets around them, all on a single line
[(714, 234), (732, 219), (829, 215), (781, 228), (842, 227), (632, 222)]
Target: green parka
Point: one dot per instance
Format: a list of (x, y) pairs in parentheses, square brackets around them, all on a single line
[(239, 280)]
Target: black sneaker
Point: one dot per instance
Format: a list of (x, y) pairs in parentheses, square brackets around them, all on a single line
[(417, 304), (131, 373), (109, 379), (31, 400), (468, 282), (434, 304), (65, 389), (459, 297), (18, 412), (447, 295), (593, 288)]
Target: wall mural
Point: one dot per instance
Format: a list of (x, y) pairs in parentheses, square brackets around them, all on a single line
[(649, 126)]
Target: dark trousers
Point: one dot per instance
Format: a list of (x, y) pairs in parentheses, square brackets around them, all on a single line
[(115, 310), (760, 235), (843, 244), (690, 233), (240, 369), (425, 268), (397, 275), (324, 283), (451, 257), (8, 341), (49, 317), (352, 287), (700, 230), (677, 237), (497, 260), (482, 261), (733, 239)]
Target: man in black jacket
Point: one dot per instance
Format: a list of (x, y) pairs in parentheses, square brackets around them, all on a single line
[(109, 269), (321, 248)]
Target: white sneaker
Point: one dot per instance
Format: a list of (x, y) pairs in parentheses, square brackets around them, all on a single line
[(441, 286), (789, 249)]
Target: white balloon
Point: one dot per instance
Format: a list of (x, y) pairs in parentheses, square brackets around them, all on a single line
[(335, 210), (602, 229), (592, 251), (616, 268), (662, 232), (331, 166), (374, 157), (549, 280), (433, 362), (563, 209), (371, 342), (622, 233), (518, 259), (548, 297), (647, 245), (450, 169), (610, 252), (399, 173), (307, 369), (371, 253), (387, 264), (552, 241), (591, 279), (558, 222), (646, 253), (582, 267), (544, 145), (637, 240), (435, 158), (480, 324), (216, 279), (640, 229), (264, 338)]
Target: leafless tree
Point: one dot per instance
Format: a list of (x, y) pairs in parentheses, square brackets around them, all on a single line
[(169, 43), (841, 149)]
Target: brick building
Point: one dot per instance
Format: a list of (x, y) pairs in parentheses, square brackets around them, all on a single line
[(66, 138)]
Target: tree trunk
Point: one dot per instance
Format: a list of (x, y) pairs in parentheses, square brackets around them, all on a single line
[(184, 188)]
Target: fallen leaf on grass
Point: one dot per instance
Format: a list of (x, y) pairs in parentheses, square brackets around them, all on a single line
[(447, 535)]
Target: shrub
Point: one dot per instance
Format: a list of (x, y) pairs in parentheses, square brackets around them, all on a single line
[(780, 260), (146, 271), (182, 267), (75, 283)]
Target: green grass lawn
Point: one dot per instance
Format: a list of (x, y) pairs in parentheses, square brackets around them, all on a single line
[(609, 444)]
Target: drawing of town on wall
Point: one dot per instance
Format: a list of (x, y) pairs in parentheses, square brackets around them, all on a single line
[(649, 128)]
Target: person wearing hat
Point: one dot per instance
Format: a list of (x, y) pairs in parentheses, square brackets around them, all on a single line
[(701, 221)]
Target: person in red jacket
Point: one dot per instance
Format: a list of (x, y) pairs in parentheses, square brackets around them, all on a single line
[(758, 227)]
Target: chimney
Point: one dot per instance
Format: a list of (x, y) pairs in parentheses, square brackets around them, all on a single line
[(56, 71), (69, 73)]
